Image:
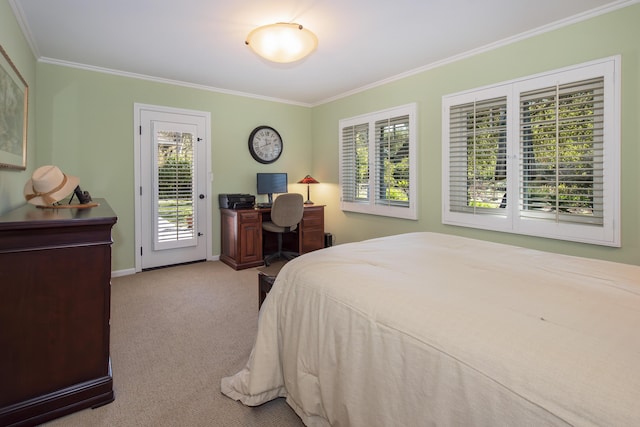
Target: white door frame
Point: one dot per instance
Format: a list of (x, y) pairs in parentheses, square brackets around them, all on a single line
[(137, 155)]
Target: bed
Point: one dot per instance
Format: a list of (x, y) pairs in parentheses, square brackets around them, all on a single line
[(425, 329)]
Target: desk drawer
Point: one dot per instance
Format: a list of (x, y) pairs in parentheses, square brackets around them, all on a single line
[(312, 229), (313, 222), (249, 215)]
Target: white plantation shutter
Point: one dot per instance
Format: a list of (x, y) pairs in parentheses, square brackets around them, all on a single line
[(537, 156), (477, 156), (378, 163), (355, 163), (562, 152), (392, 161)]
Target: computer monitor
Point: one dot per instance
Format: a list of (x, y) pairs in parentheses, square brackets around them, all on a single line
[(270, 183)]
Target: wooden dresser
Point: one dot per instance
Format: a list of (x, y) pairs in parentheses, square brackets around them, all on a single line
[(55, 296)]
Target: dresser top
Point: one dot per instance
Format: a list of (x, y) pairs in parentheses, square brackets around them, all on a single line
[(29, 216)]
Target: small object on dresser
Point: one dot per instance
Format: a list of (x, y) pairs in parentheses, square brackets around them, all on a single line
[(48, 185), (83, 196)]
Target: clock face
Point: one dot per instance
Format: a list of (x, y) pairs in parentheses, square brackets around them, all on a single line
[(265, 144)]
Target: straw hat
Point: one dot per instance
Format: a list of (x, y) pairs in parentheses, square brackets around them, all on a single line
[(49, 185)]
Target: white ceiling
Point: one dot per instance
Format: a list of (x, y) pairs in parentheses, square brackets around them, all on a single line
[(361, 42)]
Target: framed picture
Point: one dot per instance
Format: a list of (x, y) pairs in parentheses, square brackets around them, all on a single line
[(14, 95)]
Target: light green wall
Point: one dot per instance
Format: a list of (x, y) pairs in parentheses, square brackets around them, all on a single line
[(86, 128), (85, 125), (615, 33), (12, 40)]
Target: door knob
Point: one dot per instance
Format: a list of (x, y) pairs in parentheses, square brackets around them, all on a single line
[(201, 196)]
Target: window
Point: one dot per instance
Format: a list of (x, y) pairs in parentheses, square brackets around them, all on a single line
[(537, 156), (377, 163)]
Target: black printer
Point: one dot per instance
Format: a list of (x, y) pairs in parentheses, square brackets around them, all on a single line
[(236, 201)]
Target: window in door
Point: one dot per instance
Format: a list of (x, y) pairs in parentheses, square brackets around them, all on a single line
[(175, 197)]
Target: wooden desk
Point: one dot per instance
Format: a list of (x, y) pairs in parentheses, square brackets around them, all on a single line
[(55, 293), (243, 243)]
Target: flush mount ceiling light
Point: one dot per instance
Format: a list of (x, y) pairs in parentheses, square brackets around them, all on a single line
[(282, 42)]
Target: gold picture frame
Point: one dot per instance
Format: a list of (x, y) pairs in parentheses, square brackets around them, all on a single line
[(14, 96)]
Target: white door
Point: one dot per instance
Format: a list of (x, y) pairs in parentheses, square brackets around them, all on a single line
[(173, 209)]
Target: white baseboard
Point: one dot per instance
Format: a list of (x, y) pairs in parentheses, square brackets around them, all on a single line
[(126, 272), (129, 271)]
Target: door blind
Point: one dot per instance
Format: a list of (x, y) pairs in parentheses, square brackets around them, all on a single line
[(175, 194)]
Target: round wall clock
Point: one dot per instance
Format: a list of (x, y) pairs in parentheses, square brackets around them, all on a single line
[(265, 144)]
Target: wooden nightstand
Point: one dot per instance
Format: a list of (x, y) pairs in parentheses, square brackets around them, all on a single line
[(265, 282)]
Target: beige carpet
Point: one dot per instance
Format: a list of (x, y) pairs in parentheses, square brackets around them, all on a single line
[(175, 332)]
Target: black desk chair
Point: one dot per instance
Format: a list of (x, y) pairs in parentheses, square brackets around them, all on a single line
[(286, 214)]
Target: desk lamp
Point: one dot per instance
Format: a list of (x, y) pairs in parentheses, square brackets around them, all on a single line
[(308, 180)]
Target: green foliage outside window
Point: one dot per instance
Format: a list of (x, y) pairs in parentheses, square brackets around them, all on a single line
[(486, 157), (362, 165), (557, 155), (394, 159), (175, 178), (561, 154)]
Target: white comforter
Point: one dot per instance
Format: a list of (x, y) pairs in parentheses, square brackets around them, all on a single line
[(428, 329)]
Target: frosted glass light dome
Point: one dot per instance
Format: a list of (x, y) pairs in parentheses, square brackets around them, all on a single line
[(282, 42)]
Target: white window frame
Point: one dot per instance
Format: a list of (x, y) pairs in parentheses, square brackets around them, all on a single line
[(369, 206), (607, 234)]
